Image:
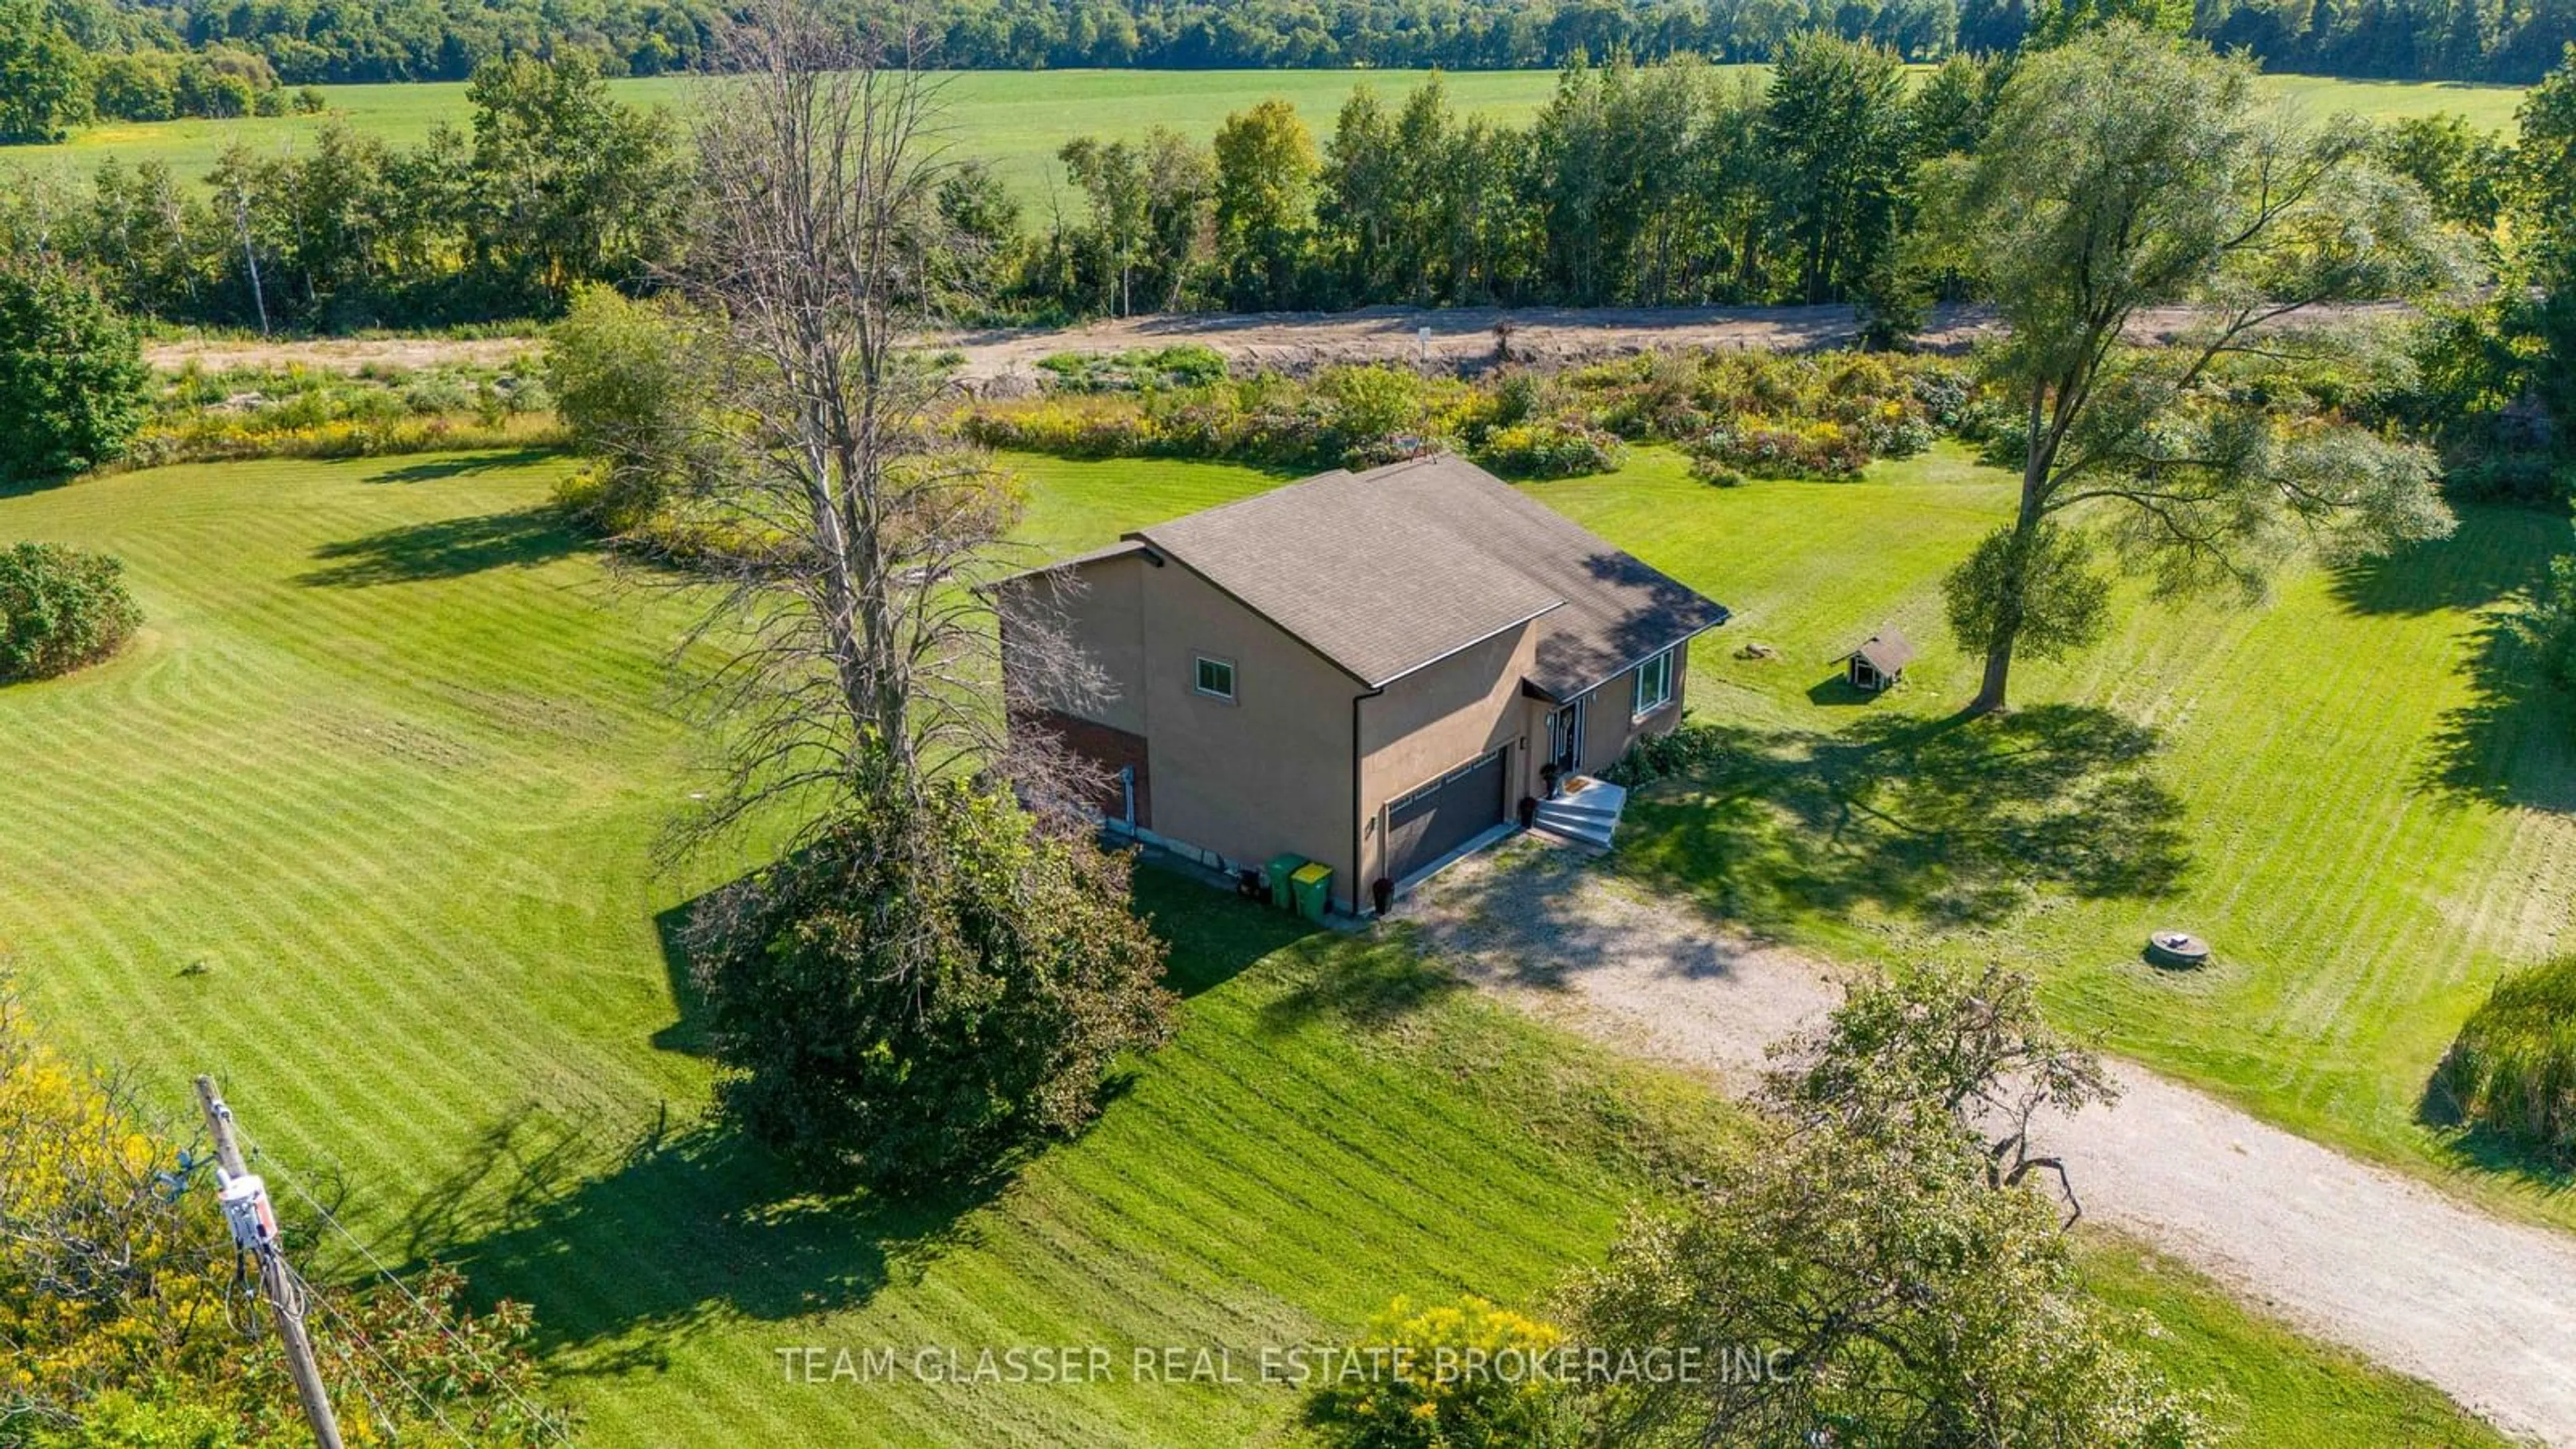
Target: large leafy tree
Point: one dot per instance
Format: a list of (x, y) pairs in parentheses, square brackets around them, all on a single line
[(1265, 176), (2544, 216), (1837, 118), (1146, 203), (1358, 212), (571, 185), (1112, 178), (2123, 172), (916, 1015), (71, 373), (1888, 1251), (44, 74)]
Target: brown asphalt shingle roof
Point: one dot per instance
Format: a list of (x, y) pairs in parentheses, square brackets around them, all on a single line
[(1386, 571)]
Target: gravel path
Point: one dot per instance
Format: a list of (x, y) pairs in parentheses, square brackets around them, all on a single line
[(2485, 1310)]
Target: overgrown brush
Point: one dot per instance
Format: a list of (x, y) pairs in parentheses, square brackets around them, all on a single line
[(1760, 414), (301, 412), (2513, 1067), (1185, 364)]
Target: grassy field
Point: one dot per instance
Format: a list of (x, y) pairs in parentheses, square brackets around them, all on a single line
[(1018, 120), (2348, 788), (363, 821)]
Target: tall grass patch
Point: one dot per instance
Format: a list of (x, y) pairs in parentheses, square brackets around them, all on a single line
[(2513, 1069)]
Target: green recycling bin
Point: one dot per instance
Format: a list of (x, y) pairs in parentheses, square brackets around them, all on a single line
[(1313, 885), (1282, 867)]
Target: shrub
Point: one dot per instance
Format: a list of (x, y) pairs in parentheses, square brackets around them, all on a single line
[(1548, 450), (2006, 441), (1375, 413), (1186, 364), (632, 400), (217, 439), (2548, 622), (2522, 479), (1518, 395), (1070, 427), (1686, 746), (2513, 1067), (1763, 449), (60, 609), (1822, 416), (71, 374), (1450, 1374), (926, 989)]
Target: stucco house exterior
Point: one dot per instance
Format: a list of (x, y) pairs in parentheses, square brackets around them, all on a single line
[(1367, 669)]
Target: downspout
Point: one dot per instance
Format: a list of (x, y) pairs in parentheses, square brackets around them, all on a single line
[(1359, 827)]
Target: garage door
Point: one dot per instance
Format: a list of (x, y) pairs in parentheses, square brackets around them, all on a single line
[(1443, 815)]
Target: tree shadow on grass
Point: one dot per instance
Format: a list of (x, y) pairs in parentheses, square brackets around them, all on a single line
[(1951, 822), (15, 486), (461, 467), (687, 1033), (446, 549), (2495, 554), (1213, 934), (691, 1223), (2509, 745), (1365, 985)]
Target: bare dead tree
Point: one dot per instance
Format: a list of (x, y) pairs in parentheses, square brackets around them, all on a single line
[(848, 536)]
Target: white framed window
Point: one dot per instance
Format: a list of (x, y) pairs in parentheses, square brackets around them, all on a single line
[(1214, 678), (1654, 684)]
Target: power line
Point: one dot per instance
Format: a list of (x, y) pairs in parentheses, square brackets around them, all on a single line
[(438, 1321), (359, 1341)]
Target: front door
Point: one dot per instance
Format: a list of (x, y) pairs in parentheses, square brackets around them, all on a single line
[(1565, 739)]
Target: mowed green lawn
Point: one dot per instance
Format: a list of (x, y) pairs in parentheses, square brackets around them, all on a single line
[(2347, 788), (1018, 120), (362, 824)]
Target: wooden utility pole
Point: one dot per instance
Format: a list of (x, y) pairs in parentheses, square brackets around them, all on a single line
[(254, 1225)]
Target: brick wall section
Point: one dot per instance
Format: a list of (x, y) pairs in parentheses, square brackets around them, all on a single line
[(1112, 750)]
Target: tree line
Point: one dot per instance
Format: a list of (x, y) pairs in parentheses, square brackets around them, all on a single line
[(71, 61), (1655, 184), (551, 184), (1663, 184), (1670, 183)]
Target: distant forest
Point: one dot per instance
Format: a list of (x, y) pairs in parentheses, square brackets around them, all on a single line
[(301, 42)]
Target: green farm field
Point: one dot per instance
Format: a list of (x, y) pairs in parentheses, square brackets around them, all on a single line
[(1018, 120), (363, 824)]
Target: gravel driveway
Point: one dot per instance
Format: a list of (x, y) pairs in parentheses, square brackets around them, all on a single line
[(2355, 1254)]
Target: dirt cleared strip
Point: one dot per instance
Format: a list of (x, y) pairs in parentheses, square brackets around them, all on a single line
[(341, 354), (1004, 360), (2484, 1310)]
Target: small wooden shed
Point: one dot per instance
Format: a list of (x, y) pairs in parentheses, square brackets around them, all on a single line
[(1880, 662)]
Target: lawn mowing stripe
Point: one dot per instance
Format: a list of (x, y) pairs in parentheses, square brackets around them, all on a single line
[(450, 941)]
